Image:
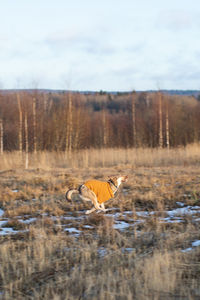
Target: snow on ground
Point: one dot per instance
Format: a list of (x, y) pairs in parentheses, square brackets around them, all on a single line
[(121, 220)]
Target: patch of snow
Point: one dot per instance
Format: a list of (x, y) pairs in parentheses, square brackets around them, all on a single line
[(196, 243), (44, 214), (128, 212), (188, 210), (142, 213), (136, 222), (195, 207), (88, 226), (7, 230), (72, 230), (180, 203), (129, 250), (113, 209), (170, 220), (28, 221), (69, 218), (2, 223), (186, 250), (121, 225), (102, 252), (73, 217), (1, 212)]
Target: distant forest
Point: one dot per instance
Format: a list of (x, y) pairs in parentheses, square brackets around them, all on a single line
[(38, 120)]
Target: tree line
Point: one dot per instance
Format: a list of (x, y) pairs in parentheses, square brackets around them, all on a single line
[(34, 121)]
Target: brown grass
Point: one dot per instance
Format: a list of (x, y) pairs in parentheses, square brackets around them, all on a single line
[(93, 158), (144, 262)]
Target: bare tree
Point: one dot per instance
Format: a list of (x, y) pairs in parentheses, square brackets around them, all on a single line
[(160, 120), (77, 129), (134, 133), (1, 136), (45, 103), (20, 123), (34, 127), (68, 121), (45, 109), (26, 141), (105, 130), (68, 143), (167, 125)]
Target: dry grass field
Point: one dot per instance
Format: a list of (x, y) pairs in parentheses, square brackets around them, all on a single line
[(147, 246)]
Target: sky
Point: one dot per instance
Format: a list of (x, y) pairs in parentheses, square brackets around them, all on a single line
[(112, 45)]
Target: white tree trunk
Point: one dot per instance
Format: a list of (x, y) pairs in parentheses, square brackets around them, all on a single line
[(105, 133), (160, 121), (1, 136), (20, 124), (26, 142), (134, 122), (34, 127), (167, 126)]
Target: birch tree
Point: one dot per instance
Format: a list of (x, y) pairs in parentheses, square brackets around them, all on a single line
[(134, 121), (26, 141), (105, 131), (167, 124), (34, 127), (68, 143), (20, 123), (1, 136), (160, 120)]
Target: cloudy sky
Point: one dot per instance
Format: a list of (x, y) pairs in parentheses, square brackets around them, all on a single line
[(100, 44)]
